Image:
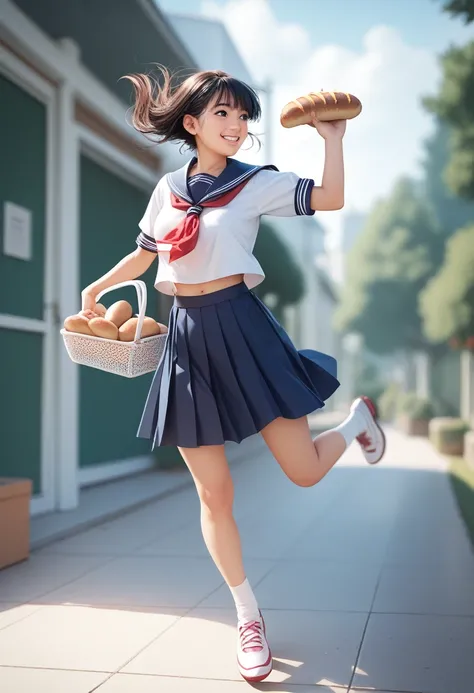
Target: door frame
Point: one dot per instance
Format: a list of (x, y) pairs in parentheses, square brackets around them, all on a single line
[(12, 68), (120, 164)]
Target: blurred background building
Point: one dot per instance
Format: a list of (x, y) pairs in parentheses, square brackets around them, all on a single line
[(74, 182), (342, 241)]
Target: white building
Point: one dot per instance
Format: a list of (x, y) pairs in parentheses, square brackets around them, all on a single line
[(210, 45)]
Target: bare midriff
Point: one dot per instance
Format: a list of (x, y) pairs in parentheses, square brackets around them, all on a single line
[(208, 287)]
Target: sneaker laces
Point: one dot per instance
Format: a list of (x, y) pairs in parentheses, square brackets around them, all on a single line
[(251, 636), (365, 440)]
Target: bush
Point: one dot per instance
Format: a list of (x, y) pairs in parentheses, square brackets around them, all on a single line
[(388, 402), (416, 407), (462, 480), (447, 435)]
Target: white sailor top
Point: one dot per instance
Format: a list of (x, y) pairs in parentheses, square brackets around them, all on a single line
[(227, 234)]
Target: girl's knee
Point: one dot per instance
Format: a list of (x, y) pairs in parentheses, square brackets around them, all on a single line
[(307, 474), (306, 480), (217, 498)]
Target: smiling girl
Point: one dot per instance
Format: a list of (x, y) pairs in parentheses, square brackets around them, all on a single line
[(229, 369)]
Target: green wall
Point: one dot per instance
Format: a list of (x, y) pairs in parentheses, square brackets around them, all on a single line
[(23, 182), (110, 405)]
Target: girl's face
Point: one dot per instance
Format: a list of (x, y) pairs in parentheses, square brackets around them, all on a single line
[(221, 128)]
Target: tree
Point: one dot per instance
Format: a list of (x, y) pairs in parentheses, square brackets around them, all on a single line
[(283, 276), (454, 105), (451, 212), (447, 303), (397, 252), (462, 8)]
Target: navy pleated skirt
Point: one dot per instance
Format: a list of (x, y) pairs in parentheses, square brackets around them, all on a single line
[(228, 370)]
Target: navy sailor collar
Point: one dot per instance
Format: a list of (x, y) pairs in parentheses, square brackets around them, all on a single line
[(235, 173)]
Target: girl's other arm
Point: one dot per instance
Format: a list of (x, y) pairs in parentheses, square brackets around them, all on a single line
[(330, 194), (130, 267)]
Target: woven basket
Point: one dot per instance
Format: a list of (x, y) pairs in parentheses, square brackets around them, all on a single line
[(129, 359)]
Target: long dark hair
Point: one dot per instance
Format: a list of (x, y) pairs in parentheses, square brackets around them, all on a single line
[(160, 108)]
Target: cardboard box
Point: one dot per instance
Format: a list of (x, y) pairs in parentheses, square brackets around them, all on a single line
[(15, 497)]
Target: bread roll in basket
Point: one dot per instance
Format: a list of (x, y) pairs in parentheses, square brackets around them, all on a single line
[(138, 355), (324, 105)]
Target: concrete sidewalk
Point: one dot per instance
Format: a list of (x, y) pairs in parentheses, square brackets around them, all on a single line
[(366, 582)]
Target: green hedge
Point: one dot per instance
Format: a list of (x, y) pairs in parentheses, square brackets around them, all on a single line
[(462, 480), (415, 407)]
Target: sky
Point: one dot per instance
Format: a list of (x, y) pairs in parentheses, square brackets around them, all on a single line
[(386, 52)]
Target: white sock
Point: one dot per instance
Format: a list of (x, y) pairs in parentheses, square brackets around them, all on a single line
[(247, 607), (353, 426)]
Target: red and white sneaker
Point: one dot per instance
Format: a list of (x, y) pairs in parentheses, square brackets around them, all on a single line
[(372, 439), (253, 653)]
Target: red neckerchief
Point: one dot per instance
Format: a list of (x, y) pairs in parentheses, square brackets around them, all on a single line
[(183, 238)]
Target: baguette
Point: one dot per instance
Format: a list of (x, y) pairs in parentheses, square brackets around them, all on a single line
[(323, 105)]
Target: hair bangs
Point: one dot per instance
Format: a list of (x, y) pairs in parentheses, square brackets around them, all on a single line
[(238, 95)]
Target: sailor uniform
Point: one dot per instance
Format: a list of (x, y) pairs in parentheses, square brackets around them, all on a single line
[(228, 367), (226, 233)]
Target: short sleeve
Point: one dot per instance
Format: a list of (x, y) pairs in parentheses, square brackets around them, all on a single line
[(283, 194), (146, 238)]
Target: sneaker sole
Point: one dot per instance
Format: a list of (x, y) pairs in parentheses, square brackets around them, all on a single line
[(260, 677), (373, 410)]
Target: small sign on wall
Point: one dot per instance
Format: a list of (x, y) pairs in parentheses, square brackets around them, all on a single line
[(17, 231)]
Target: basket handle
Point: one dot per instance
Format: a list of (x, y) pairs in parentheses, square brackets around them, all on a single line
[(140, 288)]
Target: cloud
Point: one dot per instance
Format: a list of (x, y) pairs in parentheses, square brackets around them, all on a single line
[(387, 74)]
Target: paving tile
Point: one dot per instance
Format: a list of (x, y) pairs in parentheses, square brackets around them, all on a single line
[(270, 538), (187, 541), (10, 613), (441, 589), (81, 638), (262, 540), (308, 648), (129, 532), (341, 545), (143, 581), (319, 585), (15, 680), (428, 529), (42, 573), (111, 539), (419, 543), (426, 654), (124, 683)]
